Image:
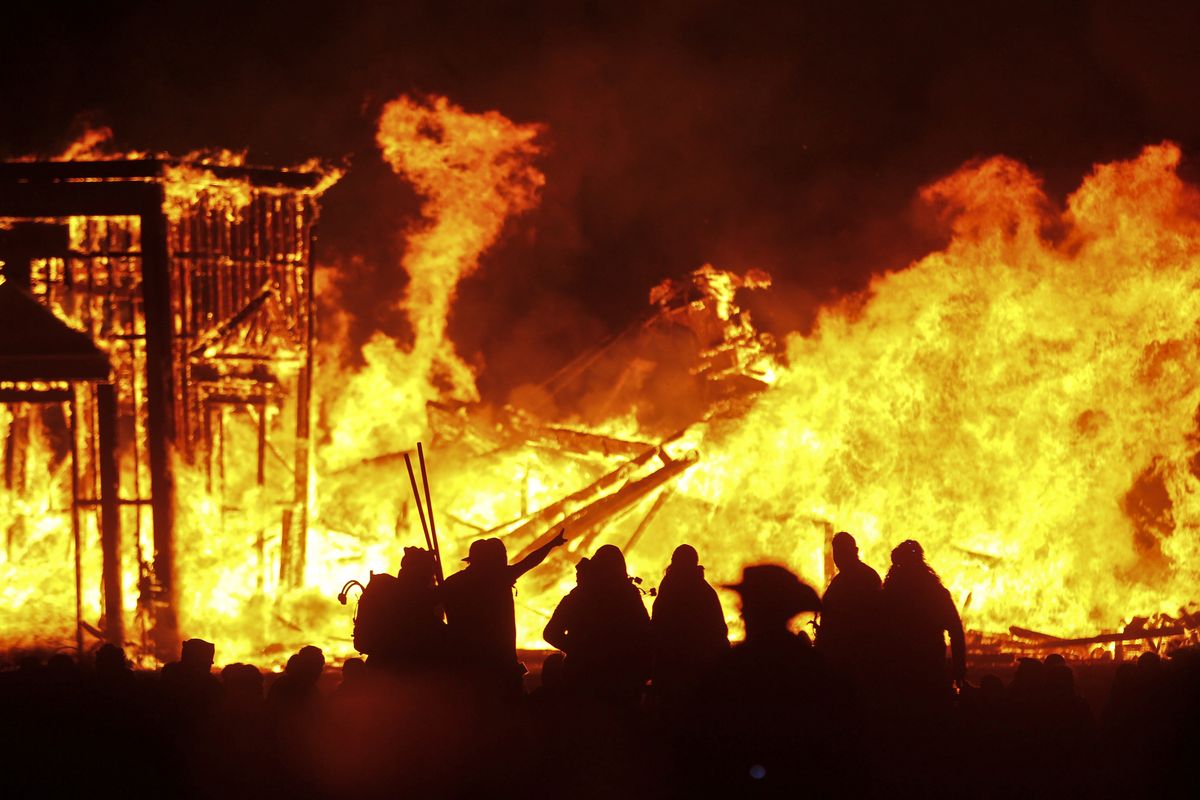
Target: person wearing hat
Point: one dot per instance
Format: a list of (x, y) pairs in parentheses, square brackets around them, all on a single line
[(192, 691), (771, 596), (480, 617), (768, 701)]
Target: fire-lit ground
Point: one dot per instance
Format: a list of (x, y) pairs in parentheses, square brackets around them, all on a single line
[(1022, 401)]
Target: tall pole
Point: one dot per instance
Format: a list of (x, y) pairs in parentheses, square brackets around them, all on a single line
[(160, 421), (437, 551), (75, 533), (295, 545), (110, 515)]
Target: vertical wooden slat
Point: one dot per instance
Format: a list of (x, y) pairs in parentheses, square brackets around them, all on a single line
[(160, 422), (110, 515), (75, 532)]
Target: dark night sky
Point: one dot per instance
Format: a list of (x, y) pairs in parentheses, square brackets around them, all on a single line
[(789, 136)]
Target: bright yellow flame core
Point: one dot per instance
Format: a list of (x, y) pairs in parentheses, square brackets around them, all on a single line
[(1023, 402), (998, 401)]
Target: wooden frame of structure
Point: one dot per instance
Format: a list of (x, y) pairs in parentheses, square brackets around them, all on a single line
[(195, 279)]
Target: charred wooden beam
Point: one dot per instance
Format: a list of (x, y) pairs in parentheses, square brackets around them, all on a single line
[(1025, 633), (110, 515), (223, 329), (1107, 638), (546, 517), (564, 438), (138, 170), (85, 199), (584, 520), (35, 395), (160, 420)]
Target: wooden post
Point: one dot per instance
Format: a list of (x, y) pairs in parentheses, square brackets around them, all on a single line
[(76, 537), (160, 421), (296, 545), (110, 515)]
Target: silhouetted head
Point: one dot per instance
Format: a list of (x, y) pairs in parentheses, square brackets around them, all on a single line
[(110, 660), (242, 682), (908, 562), (992, 689), (1149, 662), (307, 664), (417, 564), (772, 595), (685, 556), (197, 655), (60, 664), (581, 570), (487, 554), (353, 671), (608, 564), (845, 550), (685, 561), (908, 554), (1055, 660), (1060, 681), (1029, 677)]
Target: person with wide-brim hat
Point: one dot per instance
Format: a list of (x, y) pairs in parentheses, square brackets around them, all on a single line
[(771, 596), (766, 697)]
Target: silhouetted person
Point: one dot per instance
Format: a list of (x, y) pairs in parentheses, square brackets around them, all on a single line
[(850, 624), (603, 628), (918, 614), (243, 734), (113, 682), (480, 618), (295, 691), (243, 687), (354, 679), (769, 698), (189, 683), (414, 636), (293, 707), (689, 628)]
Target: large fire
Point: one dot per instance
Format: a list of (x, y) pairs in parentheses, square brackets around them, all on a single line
[(1023, 402)]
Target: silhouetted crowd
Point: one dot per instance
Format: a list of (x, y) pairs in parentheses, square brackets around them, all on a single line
[(634, 703)]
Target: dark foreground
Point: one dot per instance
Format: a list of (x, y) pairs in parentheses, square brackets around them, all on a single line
[(106, 730)]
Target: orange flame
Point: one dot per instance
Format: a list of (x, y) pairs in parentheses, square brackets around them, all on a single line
[(473, 172), (1024, 407), (1023, 402)]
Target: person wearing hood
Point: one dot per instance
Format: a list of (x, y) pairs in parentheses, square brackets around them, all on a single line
[(604, 630), (688, 625), (920, 615)]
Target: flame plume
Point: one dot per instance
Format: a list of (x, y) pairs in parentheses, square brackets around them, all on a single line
[(1025, 407), (1023, 401), (473, 171)]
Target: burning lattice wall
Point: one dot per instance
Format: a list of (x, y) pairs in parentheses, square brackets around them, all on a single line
[(195, 278)]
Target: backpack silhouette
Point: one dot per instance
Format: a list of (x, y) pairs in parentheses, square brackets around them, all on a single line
[(375, 615)]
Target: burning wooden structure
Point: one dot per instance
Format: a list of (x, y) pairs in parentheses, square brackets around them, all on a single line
[(194, 278)]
